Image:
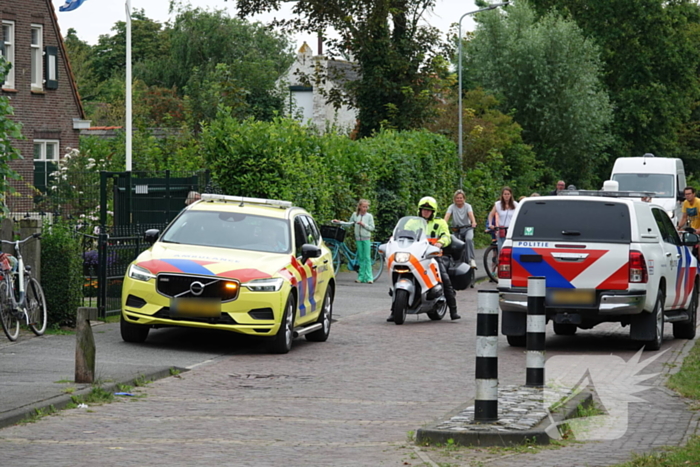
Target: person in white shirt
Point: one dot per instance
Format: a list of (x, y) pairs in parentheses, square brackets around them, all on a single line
[(502, 214), (460, 216)]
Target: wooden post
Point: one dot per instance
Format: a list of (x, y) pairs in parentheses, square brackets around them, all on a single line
[(85, 345)]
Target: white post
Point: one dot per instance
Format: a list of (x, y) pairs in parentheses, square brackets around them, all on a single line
[(128, 86)]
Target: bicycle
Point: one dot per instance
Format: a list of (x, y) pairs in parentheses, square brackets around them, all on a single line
[(491, 255), (334, 237), (21, 296)]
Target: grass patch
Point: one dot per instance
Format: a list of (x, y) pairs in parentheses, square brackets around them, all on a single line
[(56, 330), (175, 372), (671, 457), (141, 381), (97, 395), (687, 380), (69, 390), (39, 414), (63, 381)]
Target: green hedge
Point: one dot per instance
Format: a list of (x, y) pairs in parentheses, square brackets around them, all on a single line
[(327, 174), (61, 274)]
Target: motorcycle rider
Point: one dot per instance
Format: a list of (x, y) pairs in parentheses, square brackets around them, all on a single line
[(440, 232)]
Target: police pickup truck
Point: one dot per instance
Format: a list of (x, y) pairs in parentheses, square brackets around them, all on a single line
[(604, 259)]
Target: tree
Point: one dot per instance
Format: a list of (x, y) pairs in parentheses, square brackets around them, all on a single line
[(548, 73), (651, 55), (9, 130), (393, 52), (209, 50), (148, 44)]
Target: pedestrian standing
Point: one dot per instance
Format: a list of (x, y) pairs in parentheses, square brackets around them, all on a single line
[(364, 226), (561, 186), (460, 216)]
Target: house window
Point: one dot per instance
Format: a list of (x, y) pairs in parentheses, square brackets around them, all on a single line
[(45, 162), (8, 51), (37, 55)]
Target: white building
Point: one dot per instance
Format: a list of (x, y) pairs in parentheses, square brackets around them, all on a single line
[(308, 103)]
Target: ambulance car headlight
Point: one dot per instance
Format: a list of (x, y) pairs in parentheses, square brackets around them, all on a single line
[(265, 285)]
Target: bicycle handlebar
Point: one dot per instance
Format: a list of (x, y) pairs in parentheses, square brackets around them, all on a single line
[(14, 242)]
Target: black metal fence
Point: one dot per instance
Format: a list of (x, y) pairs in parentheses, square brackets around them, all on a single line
[(110, 212)]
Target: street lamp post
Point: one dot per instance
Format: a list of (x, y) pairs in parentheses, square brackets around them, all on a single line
[(459, 70)]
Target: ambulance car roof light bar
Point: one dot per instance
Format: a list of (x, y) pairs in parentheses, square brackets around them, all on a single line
[(246, 200)]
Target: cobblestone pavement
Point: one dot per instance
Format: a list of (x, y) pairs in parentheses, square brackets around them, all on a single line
[(352, 401)]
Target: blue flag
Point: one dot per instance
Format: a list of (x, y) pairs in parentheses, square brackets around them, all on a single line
[(71, 5)]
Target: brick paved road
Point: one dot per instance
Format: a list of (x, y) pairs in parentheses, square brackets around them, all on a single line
[(348, 402)]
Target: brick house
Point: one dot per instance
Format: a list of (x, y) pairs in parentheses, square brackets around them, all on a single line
[(42, 92)]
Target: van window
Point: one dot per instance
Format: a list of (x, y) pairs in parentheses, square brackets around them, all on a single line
[(573, 221), (661, 184)]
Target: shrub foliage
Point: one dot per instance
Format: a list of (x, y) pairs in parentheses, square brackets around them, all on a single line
[(61, 274)]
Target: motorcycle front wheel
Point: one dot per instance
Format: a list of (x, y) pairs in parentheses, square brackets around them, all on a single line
[(398, 308)]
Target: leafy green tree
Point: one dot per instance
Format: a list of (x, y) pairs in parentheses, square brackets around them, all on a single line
[(549, 74), (216, 59), (9, 130), (148, 44), (395, 55), (651, 55), (80, 54)]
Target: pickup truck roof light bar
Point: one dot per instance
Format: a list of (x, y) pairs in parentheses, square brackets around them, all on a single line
[(246, 200), (608, 194)]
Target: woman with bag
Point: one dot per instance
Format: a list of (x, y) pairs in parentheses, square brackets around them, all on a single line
[(502, 213), (364, 226)]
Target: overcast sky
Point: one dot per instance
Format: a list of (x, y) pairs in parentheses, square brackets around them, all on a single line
[(96, 17)]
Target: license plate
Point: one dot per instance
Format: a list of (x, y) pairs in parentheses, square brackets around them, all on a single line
[(571, 297), (195, 308)]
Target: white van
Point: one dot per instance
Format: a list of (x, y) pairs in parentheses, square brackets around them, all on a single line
[(663, 175)]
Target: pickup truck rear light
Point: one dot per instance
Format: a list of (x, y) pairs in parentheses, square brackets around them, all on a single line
[(504, 259), (638, 268)]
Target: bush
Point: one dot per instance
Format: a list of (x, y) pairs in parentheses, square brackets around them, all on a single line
[(61, 274)]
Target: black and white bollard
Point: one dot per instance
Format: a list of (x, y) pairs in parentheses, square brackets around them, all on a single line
[(536, 322), (486, 403)]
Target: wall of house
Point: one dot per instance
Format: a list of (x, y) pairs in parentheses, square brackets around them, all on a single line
[(45, 114), (322, 114)]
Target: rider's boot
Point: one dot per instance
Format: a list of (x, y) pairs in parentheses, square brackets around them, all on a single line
[(390, 319), (453, 314)]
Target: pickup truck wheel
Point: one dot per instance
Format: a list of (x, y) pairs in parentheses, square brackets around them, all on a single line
[(564, 329), (517, 341), (686, 329), (658, 316)]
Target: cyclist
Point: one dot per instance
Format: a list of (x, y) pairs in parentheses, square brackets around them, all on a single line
[(463, 224), (440, 233)]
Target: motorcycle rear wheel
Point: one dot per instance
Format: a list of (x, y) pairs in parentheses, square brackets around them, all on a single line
[(398, 308), (439, 311)]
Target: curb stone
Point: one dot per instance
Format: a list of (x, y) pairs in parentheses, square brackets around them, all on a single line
[(491, 435)]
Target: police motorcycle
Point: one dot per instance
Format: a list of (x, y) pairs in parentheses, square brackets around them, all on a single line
[(416, 285)]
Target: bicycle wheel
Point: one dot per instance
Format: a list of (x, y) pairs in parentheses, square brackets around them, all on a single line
[(10, 323), (36, 307), (334, 246), (491, 262), (377, 261)]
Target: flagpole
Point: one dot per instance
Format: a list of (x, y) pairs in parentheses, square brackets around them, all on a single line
[(128, 86)]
